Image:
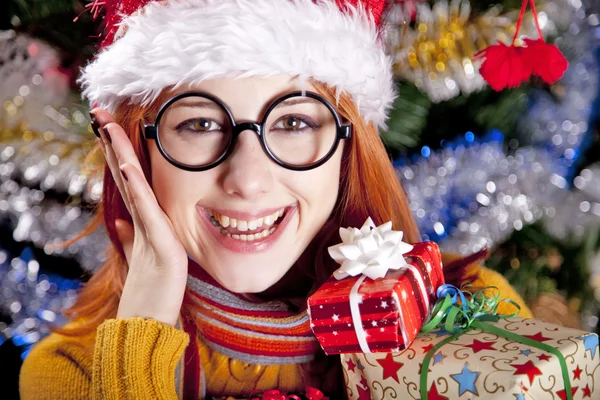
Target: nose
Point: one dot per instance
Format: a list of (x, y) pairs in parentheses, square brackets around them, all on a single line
[(248, 170)]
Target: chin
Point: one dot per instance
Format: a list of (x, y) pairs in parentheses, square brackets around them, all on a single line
[(242, 283)]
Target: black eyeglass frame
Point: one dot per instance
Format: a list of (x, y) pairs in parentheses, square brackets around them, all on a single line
[(343, 130)]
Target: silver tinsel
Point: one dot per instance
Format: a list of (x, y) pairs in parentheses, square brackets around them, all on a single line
[(33, 300), (47, 223), (45, 137), (45, 150)]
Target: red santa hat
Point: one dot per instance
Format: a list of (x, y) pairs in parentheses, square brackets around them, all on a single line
[(152, 45)]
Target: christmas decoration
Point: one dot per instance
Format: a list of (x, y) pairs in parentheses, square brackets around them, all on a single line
[(310, 394), (43, 145), (385, 307), (33, 300), (436, 55), (507, 66)]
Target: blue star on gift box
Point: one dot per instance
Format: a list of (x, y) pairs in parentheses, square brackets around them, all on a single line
[(438, 358), (519, 396), (590, 342), (526, 352), (466, 380)]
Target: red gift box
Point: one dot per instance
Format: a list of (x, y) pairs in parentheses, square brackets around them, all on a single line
[(392, 309)]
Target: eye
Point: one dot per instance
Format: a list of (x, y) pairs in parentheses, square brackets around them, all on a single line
[(200, 125), (294, 123)]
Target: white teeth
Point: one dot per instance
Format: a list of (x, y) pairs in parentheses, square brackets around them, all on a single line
[(269, 220), (224, 221), (242, 226), (248, 238)]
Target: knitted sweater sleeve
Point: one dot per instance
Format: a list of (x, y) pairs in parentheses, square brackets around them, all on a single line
[(488, 277), (126, 359), (485, 277)]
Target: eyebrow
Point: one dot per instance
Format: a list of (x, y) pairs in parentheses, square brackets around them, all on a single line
[(210, 104), (196, 104), (297, 100)]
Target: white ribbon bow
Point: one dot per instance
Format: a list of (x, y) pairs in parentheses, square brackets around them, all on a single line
[(371, 250)]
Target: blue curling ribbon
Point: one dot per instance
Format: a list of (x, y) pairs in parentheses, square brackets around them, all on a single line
[(453, 291)]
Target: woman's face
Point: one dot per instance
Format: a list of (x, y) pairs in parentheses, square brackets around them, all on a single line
[(217, 212)]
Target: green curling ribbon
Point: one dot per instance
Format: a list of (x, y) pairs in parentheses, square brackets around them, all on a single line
[(474, 309)]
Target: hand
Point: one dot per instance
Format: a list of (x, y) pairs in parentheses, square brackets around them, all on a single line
[(157, 261)]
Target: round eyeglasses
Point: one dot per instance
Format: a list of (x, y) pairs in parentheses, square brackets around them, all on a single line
[(196, 131)]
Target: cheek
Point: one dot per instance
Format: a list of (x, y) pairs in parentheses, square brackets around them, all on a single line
[(319, 187), (329, 177), (175, 188), (160, 173)]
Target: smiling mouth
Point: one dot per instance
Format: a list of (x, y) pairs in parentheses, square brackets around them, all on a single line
[(247, 231)]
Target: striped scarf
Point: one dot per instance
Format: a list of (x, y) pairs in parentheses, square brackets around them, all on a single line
[(240, 327)]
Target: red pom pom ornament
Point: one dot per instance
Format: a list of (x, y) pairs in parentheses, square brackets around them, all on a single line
[(508, 66)]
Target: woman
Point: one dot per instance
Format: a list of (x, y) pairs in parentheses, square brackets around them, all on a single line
[(238, 136)]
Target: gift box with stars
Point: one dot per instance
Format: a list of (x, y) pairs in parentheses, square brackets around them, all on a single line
[(482, 365), (380, 297)]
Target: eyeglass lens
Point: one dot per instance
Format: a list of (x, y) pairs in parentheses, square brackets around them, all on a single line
[(197, 131)]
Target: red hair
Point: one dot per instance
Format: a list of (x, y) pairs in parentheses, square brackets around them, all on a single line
[(369, 186)]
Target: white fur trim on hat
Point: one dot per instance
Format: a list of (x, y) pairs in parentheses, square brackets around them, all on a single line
[(188, 41)]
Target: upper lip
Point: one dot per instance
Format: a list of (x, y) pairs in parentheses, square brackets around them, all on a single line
[(246, 215)]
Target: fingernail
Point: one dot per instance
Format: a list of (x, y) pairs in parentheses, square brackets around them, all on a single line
[(107, 134), (95, 125), (124, 174), (98, 129)]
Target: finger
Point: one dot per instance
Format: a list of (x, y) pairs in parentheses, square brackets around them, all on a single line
[(125, 153), (103, 118), (117, 138), (153, 217), (126, 235), (122, 153), (121, 145)]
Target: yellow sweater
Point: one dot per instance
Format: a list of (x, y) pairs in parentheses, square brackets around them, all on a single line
[(137, 358)]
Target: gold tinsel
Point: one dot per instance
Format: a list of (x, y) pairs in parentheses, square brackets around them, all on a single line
[(436, 52), (68, 137)]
